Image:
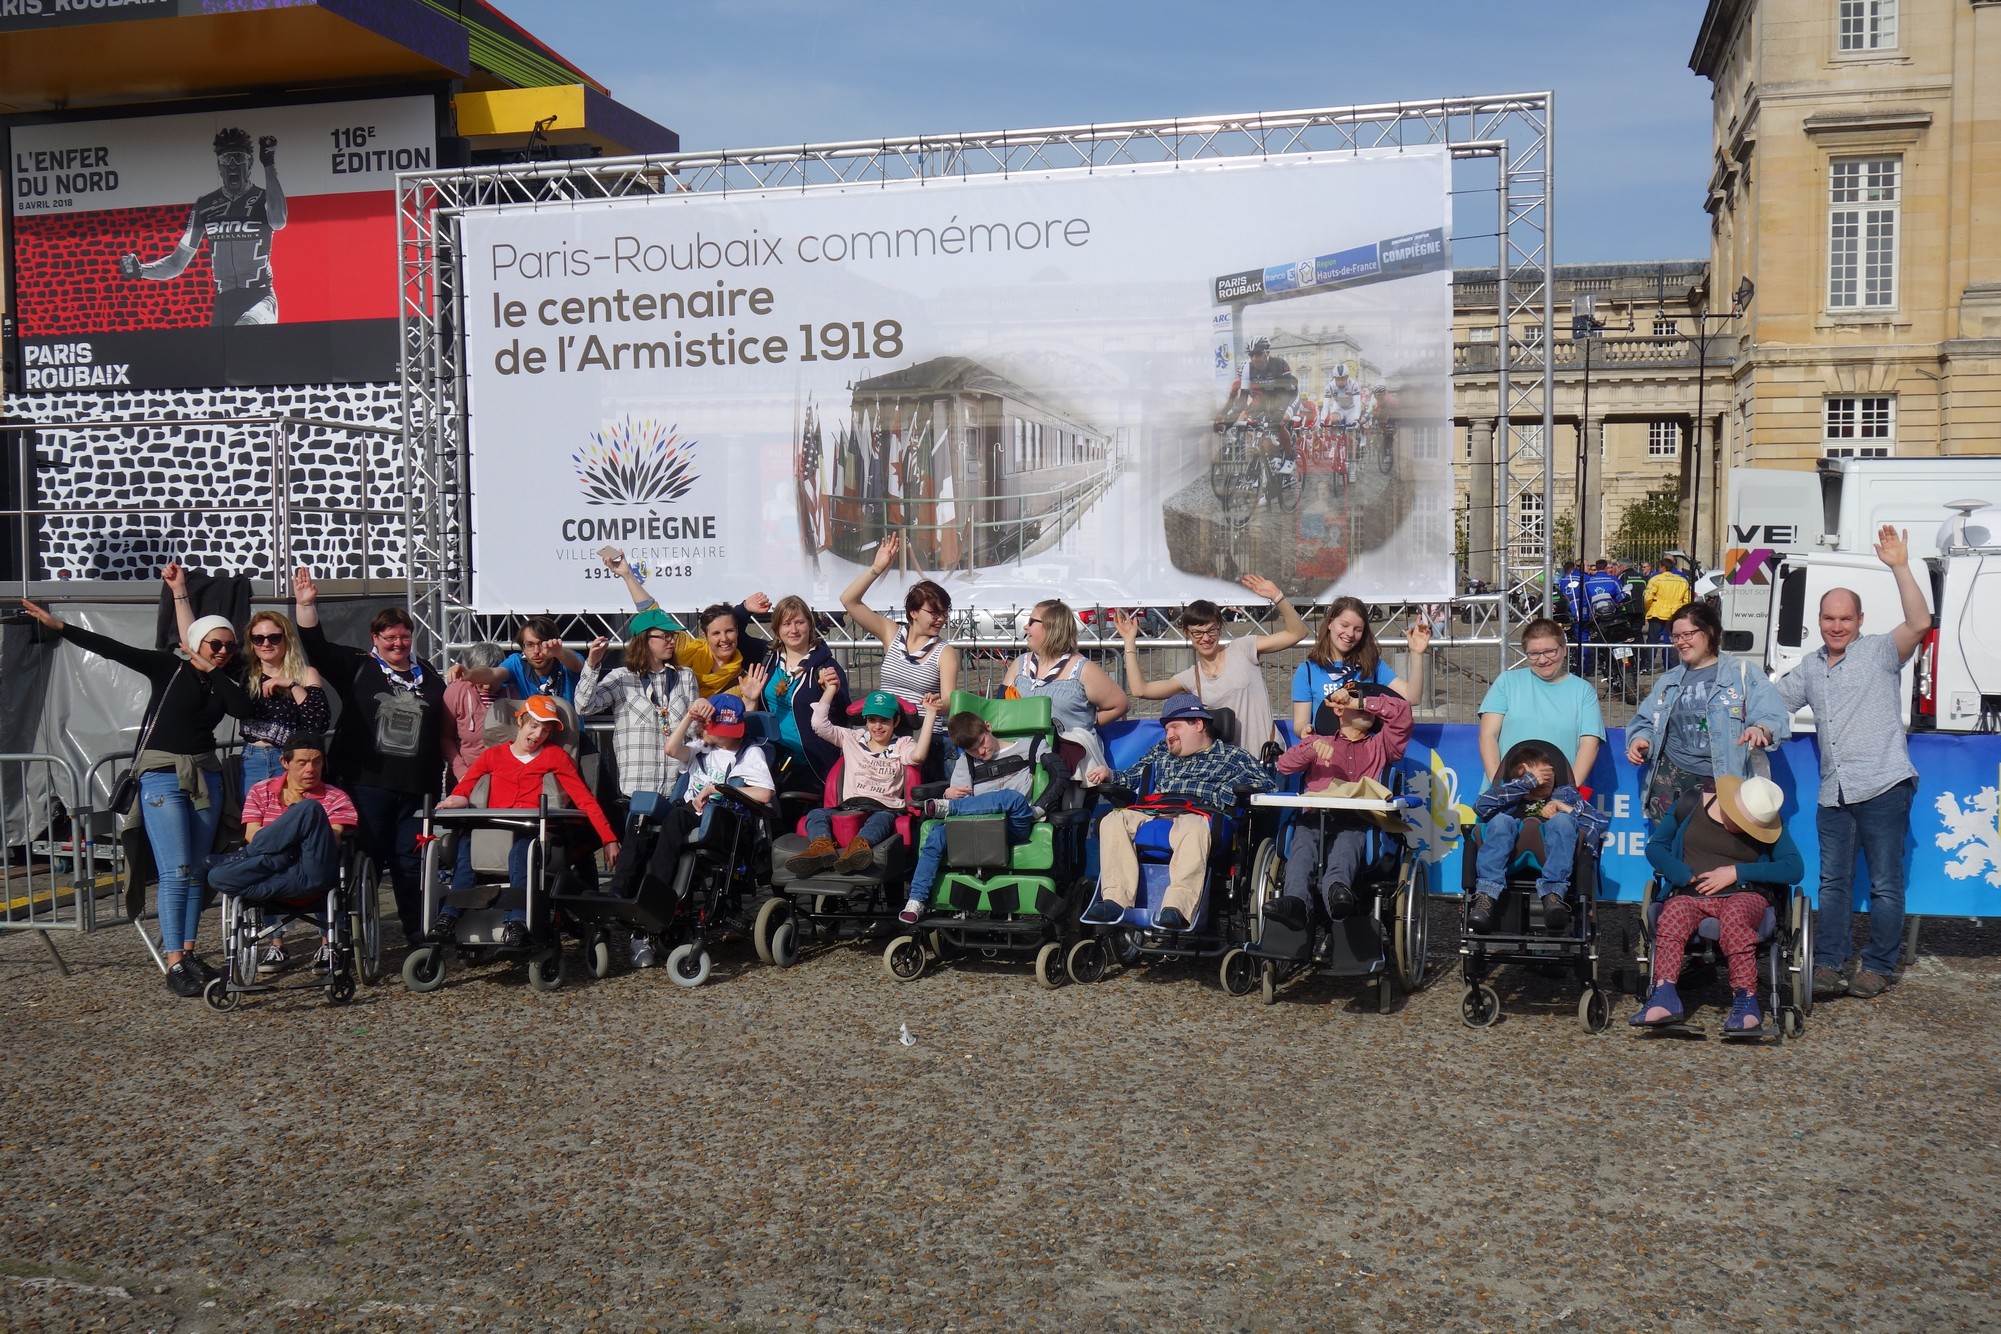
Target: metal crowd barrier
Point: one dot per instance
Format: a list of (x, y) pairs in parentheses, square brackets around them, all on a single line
[(51, 881)]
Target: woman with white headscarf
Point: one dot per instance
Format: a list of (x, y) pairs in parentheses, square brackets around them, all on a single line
[(181, 791)]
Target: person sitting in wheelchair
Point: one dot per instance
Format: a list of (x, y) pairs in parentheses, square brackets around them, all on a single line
[(987, 779), (1190, 764), (1528, 791), (514, 775), (293, 823), (1723, 854), (873, 759), (1358, 732)]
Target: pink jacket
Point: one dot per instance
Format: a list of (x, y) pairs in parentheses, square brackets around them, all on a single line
[(1353, 759)]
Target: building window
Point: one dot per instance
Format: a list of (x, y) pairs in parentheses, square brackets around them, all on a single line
[(1424, 443), (1528, 442), (1528, 505), (1868, 25), (1663, 439), (1860, 426), (1666, 326), (1481, 333), (1469, 444), (1862, 232)]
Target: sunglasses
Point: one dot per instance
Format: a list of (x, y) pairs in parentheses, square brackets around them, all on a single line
[(267, 640), (216, 646)]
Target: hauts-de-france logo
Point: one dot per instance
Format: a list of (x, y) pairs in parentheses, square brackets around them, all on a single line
[(635, 462)]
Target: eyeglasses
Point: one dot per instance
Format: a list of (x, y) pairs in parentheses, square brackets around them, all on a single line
[(1203, 632), (1544, 654), (1035, 620), (1683, 636), (394, 641), (267, 640), (219, 646)]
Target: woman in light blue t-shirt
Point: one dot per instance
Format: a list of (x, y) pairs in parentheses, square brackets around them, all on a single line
[(1542, 702), (1346, 653)]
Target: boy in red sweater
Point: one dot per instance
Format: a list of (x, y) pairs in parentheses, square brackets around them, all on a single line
[(1357, 732), (515, 773)]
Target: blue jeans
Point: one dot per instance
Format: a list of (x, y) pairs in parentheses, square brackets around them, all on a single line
[(1879, 826), (877, 827), (295, 856), (1497, 849), (181, 837), (1020, 815), (259, 763), (388, 832)]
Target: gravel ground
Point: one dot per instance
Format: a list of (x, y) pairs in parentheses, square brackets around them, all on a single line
[(1139, 1153)]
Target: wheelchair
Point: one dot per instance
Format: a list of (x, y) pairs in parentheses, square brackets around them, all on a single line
[(1785, 963), (248, 928), (1221, 922), (993, 898), (1520, 935), (1385, 938)]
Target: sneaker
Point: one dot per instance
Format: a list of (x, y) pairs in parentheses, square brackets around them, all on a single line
[(204, 970), (1480, 914), (446, 929), (514, 935), (183, 980), (1340, 902), (275, 960), (1555, 913), (819, 855), (855, 858), (323, 960), (1103, 913), (642, 952), (937, 808), (1866, 986), (1170, 919), (1828, 982), (912, 910), (1287, 912)]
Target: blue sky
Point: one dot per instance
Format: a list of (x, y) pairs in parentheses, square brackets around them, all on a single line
[(1632, 120)]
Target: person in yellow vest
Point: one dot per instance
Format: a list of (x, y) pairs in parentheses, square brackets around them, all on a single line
[(718, 655), (1667, 592)]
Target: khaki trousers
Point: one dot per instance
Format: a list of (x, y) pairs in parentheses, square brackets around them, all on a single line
[(1118, 865)]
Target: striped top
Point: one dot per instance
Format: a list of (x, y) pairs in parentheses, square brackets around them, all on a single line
[(911, 676)]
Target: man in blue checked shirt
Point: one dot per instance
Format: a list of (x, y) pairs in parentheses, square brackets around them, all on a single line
[(1190, 763)]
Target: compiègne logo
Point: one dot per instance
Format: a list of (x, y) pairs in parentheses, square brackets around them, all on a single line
[(635, 463)]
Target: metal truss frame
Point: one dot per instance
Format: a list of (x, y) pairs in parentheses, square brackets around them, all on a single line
[(1514, 130)]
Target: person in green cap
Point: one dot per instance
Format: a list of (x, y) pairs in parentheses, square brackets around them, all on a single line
[(873, 759), (648, 696)]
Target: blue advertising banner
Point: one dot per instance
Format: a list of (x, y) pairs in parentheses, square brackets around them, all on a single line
[(1953, 854)]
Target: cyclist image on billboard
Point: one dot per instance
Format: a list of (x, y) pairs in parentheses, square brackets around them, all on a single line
[(238, 222)]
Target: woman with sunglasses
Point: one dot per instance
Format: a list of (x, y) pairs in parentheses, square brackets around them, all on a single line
[(1082, 696), (783, 686), (280, 695), (181, 792), (916, 660)]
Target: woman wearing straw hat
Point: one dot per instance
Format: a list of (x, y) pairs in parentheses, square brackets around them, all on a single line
[(1725, 855)]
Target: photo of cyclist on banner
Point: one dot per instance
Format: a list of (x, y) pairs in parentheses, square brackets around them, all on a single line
[(238, 222)]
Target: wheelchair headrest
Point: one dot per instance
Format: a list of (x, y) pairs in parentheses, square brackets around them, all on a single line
[(1223, 724), (1029, 716), (1557, 761)]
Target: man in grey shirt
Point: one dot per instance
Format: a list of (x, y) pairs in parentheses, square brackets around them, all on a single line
[(1854, 684)]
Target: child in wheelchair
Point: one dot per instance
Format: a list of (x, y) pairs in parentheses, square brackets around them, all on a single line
[(1529, 791), (987, 779), (1360, 730), (514, 774), (872, 778), (1723, 854)]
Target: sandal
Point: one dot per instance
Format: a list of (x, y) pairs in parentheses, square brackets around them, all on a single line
[(1744, 1005), (1663, 997)]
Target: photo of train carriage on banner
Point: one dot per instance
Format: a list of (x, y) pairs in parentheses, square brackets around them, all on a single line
[(968, 467), (1306, 451)]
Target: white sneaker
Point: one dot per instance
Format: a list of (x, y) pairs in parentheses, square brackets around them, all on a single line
[(642, 952), (324, 960), (275, 959), (912, 910)]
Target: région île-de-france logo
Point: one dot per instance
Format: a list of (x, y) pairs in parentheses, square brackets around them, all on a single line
[(635, 463)]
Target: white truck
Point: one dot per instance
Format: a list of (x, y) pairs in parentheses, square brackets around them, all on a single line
[(1795, 535)]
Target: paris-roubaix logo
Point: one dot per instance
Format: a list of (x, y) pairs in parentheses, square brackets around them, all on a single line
[(635, 462)]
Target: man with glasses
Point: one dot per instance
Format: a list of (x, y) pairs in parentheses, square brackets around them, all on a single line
[(238, 222), (388, 749), (544, 666), (1542, 703)]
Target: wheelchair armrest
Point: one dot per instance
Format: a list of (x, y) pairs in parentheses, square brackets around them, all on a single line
[(928, 791), (750, 804), (1118, 796), (1244, 792)]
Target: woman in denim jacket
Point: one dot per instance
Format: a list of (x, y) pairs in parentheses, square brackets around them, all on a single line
[(1703, 717)]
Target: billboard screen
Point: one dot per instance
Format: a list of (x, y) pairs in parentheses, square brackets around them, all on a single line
[(248, 246), (1131, 386)]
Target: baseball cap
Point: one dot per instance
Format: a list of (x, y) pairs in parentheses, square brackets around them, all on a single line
[(728, 719), (1184, 706), (651, 619), (542, 708), (881, 704)]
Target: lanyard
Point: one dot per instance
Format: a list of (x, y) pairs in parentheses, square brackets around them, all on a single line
[(396, 678)]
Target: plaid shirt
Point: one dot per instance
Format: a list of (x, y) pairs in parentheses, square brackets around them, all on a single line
[(644, 710), (1210, 776)]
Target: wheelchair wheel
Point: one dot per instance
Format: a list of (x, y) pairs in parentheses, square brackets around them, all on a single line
[(1239, 973), (689, 965), (768, 916), (341, 990), (597, 953), (1049, 966), (545, 970), (1087, 960), (1126, 950), (1594, 1010), (1802, 961), (1480, 1006), (1413, 927), (424, 968), (219, 997), (903, 960), (364, 919), (1267, 879), (785, 943), (1268, 982), (1791, 1022)]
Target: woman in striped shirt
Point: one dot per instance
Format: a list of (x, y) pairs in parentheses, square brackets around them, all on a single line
[(916, 660)]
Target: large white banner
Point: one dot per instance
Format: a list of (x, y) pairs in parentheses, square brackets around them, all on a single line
[(1124, 387)]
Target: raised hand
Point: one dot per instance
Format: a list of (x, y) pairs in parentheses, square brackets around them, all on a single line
[(1892, 547), (1263, 587), (757, 604), (1419, 637), (267, 149), (41, 615), (754, 678), (613, 558), (932, 702), (175, 577), (128, 266), (1127, 624), (305, 591), (830, 681), (701, 710), (885, 553), (595, 655)]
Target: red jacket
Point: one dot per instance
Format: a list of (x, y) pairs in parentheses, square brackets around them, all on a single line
[(517, 783)]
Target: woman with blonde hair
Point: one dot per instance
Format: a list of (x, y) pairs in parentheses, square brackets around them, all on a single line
[(280, 696), (1082, 696)]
